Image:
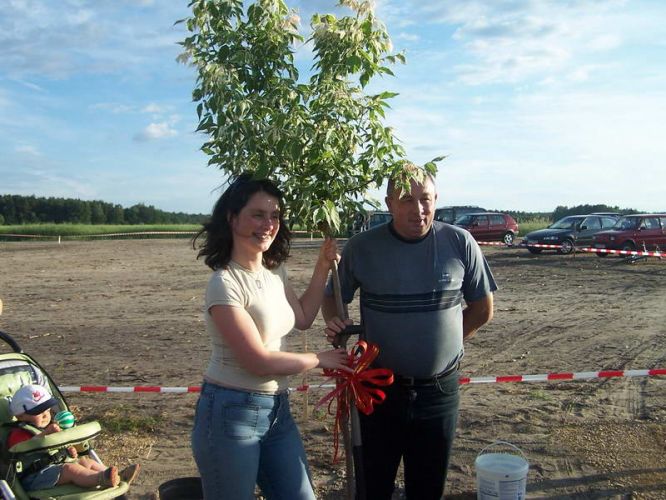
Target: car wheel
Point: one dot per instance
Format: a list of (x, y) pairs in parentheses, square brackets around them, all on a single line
[(534, 250), (628, 246), (567, 247), (508, 238)]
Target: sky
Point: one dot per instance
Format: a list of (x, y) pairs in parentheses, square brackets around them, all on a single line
[(535, 103)]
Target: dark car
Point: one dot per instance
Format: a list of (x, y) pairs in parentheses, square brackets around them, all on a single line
[(634, 232), (377, 218), (570, 231), (489, 226), (451, 214)]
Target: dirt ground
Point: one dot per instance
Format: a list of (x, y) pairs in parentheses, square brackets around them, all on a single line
[(128, 313)]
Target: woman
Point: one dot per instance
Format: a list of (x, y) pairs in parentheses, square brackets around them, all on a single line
[(244, 433)]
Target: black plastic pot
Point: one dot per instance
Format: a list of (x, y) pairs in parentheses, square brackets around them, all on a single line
[(183, 488)]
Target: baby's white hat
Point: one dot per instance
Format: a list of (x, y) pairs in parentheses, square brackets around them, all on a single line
[(31, 399)]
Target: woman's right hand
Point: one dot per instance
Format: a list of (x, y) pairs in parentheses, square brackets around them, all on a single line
[(334, 326), (337, 359)]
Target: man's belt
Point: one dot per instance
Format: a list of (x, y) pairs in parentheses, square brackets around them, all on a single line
[(415, 382)]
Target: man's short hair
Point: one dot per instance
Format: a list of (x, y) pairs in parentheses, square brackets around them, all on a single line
[(407, 172)]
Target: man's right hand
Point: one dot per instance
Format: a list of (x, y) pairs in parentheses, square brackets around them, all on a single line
[(334, 326)]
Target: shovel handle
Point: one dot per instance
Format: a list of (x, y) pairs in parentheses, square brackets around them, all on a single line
[(341, 337)]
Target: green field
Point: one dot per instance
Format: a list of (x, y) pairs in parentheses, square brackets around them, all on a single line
[(533, 225), (85, 231), (77, 231), (92, 231)]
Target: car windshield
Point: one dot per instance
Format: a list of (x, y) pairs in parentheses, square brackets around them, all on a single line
[(627, 223), (464, 220), (566, 223)]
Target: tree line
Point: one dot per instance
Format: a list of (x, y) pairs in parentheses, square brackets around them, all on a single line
[(563, 211), (17, 209)]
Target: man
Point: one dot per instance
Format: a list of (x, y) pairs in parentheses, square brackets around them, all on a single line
[(413, 274)]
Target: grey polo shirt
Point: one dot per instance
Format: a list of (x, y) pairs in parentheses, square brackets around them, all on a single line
[(411, 293)]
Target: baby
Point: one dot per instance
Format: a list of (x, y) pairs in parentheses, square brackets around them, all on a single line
[(31, 405)]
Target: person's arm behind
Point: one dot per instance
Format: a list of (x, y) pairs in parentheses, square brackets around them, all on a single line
[(476, 314)]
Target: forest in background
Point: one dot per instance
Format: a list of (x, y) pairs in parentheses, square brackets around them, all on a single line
[(17, 209)]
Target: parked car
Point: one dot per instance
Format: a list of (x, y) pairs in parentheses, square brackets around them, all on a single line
[(634, 232), (570, 231), (450, 214), (376, 218), (489, 226)]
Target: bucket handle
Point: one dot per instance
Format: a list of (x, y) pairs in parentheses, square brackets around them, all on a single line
[(505, 443)]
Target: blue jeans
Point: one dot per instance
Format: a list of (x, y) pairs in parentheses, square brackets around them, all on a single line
[(417, 424), (243, 438), (43, 479)]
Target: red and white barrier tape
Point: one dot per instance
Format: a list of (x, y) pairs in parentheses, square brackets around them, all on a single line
[(640, 253), (138, 233), (494, 244), (540, 245), (544, 377)]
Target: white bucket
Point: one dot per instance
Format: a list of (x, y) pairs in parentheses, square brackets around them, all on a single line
[(501, 476)]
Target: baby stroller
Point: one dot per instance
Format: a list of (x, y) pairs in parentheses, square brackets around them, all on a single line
[(18, 369)]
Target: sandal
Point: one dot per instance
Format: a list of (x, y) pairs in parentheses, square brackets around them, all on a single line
[(130, 473), (108, 478)]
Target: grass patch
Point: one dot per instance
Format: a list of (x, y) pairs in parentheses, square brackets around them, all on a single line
[(533, 225), (540, 395), (124, 418), (82, 231)]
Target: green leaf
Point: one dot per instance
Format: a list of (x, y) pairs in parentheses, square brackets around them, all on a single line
[(323, 139)]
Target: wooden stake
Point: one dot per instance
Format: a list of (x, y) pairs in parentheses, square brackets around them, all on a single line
[(345, 430)]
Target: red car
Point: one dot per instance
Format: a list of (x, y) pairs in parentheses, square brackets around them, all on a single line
[(489, 226), (634, 232)]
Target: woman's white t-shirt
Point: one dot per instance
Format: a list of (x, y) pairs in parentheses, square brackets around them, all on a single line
[(262, 294)]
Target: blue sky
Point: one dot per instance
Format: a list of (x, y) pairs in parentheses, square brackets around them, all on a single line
[(536, 103)]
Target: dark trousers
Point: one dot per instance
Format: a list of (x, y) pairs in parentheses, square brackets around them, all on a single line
[(417, 424)]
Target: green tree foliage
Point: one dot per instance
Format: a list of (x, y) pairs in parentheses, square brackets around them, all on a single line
[(323, 139), (16, 209), (563, 211)]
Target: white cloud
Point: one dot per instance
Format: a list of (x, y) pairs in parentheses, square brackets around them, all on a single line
[(112, 107), (28, 181), (155, 131), (505, 41), (408, 37), (27, 150), (59, 39), (79, 17), (152, 108), (605, 42)]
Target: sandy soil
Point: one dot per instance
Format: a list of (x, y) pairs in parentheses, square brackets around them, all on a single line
[(128, 313)]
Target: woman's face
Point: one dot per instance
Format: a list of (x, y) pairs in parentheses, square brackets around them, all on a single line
[(255, 226)]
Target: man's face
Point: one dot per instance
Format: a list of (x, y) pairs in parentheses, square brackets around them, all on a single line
[(413, 212)]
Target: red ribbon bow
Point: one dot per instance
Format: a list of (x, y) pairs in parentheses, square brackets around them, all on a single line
[(358, 384)]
